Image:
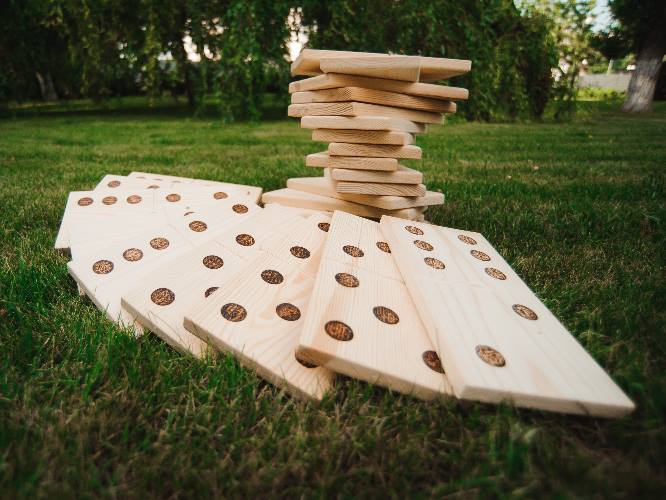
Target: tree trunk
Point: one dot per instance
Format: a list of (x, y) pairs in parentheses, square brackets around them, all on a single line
[(644, 79), (46, 86)]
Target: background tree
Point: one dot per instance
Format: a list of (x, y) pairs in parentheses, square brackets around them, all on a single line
[(643, 24)]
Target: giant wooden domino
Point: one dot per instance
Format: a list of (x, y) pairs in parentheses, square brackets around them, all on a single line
[(305, 287), (369, 108)]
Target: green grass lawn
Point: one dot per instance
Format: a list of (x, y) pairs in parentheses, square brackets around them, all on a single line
[(577, 209)]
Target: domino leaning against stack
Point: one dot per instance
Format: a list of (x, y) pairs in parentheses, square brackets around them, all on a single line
[(369, 108)]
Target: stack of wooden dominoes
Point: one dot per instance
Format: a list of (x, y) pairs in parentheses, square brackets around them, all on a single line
[(369, 108), (299, 295)]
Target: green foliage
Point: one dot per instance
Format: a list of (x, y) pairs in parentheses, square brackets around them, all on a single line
[(638, 20)]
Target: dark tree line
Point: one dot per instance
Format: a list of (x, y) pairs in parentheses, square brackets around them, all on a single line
[(99, 48)]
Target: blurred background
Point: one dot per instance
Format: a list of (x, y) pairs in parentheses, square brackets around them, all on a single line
[(231, 58)]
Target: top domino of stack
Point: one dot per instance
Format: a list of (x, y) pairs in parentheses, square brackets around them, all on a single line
[(393, 67)]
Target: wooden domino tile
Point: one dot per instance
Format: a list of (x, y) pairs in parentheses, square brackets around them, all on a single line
[(361, 109), (497, 340), (317, 160), (377, 65), (358, 94), (333, 81), (379, 137), (325, 187), (323, 159), (161, 299), (374, 150), (303, 199), (404, 175), (380, 189), (257, 314), (361, 320), (361, 123)]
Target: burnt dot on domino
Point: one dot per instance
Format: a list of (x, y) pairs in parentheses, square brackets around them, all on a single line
[(383, 246), (153, 186), (213, 262), (423, 245), (467, 239), (353, 251), (339, 331), (414, 230), (525, 312), (324, 226), (385, 315), (300, 252), (491, 356), (434, 263), (304, 361), (162, 296), (220, 195), (84, 202), (432, 361), (288, 312), (495, 273), (239, 208), (245, 240), (159, 243), (198, 226), (134, 199), (109, 200), (348, 280), (113, 184), (132, 254), (173, 197), (233, 312), (272, 277), (477, 254), (102, 267), (210, 290)]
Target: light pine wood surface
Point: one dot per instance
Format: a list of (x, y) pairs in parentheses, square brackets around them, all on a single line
[(332, 81), (302, 199), (404, 175), (361, 109), (326, 187), (257, 313), (374, 150), (358, 94), (159, 301), (429, 68), (497, 340), (381, 123), (368, 137), (361, 320), (380, 189)]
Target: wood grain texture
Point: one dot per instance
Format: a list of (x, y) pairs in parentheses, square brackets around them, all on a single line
[(302, 199), (382, 123), (380, 97), (319, 160), (332, 81), (404, 175), (361, 109), (362, 163), (363, 137), (108, 268), (326, 187), (274, 291), (380, 189), (348, 289), (405, 68), (194, 274), (374, 150), (497, 339), (431, 68)]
